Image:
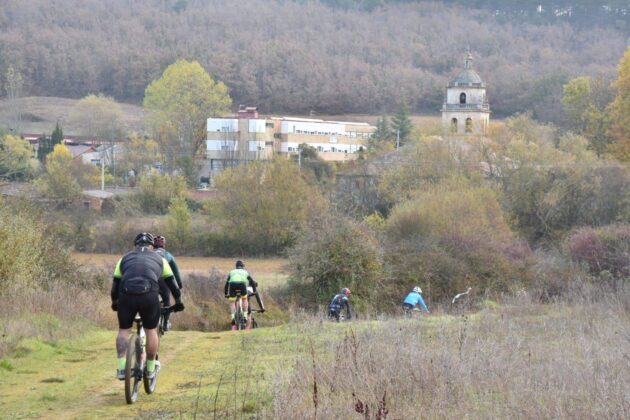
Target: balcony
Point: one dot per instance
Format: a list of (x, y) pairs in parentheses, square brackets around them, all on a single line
[(466, 107)]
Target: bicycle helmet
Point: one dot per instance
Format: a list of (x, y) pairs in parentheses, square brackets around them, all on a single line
[(159, 241), (345, 291), (417, 289), (144, 238), (240, 264)]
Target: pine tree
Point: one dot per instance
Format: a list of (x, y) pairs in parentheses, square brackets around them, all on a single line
[(57, 135), (44, 146), (381, 135), (401, 123)]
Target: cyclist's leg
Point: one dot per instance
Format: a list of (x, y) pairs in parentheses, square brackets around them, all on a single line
[(126, 313), (165, 294), (149, 309)]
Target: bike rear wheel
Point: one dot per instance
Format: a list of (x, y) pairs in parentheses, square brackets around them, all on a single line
[(133, 370), (240, 319), (150, 384)]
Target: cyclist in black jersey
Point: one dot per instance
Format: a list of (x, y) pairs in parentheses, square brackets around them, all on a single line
[(135, 289)]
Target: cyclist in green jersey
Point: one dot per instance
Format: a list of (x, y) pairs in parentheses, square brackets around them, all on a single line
[(135, 289), (237, 281)]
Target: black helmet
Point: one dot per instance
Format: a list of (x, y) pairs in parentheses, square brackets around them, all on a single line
[(240, 264), (144, 238)]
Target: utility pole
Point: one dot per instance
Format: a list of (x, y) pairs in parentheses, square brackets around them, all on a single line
[(102, 168)]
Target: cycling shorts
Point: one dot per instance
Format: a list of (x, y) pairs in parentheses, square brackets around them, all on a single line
[(234, 287), (147, 305), (408, 306)]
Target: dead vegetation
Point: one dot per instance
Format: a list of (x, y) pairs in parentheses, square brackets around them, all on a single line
[(521, 360)]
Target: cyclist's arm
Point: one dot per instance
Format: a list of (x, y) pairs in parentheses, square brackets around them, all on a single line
[(252, 282), (348, 310), (422, 304), (116, 281), (169, 279), (227, 284), (175, 270)]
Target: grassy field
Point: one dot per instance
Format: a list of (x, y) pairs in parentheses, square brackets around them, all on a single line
[(40, 115), (520, 360)]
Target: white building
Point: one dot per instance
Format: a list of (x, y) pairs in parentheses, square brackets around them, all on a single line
[(466, 110)]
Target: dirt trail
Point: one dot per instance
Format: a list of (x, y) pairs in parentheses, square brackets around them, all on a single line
[(75, 380)]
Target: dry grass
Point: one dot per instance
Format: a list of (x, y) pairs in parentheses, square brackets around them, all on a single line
[(41, 113), (256, 266), (62, 311), (523, 360)]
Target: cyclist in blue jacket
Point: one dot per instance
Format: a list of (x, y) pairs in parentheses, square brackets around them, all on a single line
[(414, 299)]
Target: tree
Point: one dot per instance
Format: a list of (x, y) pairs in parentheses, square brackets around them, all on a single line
[(57, 134), (46, 144), (13, 87), (16, 158), (58, 182), (401, 124), (335, 252), (157, 191), (584, 101), (178, 225), (140, 155), (265, 204), (180, 102), (620, 109), (98, 117), (382, 135)]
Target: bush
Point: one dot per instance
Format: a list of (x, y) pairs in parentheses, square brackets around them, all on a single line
[(265, 204), (157, 191), (604, 249), (448, 238), (29, 259), (334, 253)]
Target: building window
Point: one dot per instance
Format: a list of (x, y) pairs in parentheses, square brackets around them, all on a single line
[(454, 125), (469, 125), (462, 98)]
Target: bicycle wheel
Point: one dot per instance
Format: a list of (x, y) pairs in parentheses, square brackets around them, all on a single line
[(133, 369), (150, 384), (239, 319), (254, 323)]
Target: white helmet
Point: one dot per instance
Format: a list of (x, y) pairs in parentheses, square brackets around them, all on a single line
[(417, 289)]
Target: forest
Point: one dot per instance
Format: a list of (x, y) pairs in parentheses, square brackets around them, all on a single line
[(328, 56)]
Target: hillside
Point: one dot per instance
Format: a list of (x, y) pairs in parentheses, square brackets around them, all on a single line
[(40, 114), (297, 57)]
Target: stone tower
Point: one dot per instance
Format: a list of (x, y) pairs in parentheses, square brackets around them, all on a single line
[(466, 110)]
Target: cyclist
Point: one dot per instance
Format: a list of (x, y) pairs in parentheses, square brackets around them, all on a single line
[(338, 302), (413, 299), (238, 280), (160, 243), (135, 290)]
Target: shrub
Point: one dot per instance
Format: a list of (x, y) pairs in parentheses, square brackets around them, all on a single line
[(265, 204), (29, 259), (450, 237), (602, 249), (334, 253), (157, 191)]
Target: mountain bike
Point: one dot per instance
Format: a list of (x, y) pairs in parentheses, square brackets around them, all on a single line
[(136, 360)]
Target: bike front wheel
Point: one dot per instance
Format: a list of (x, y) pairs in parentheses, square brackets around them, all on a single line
[(133, 370)]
